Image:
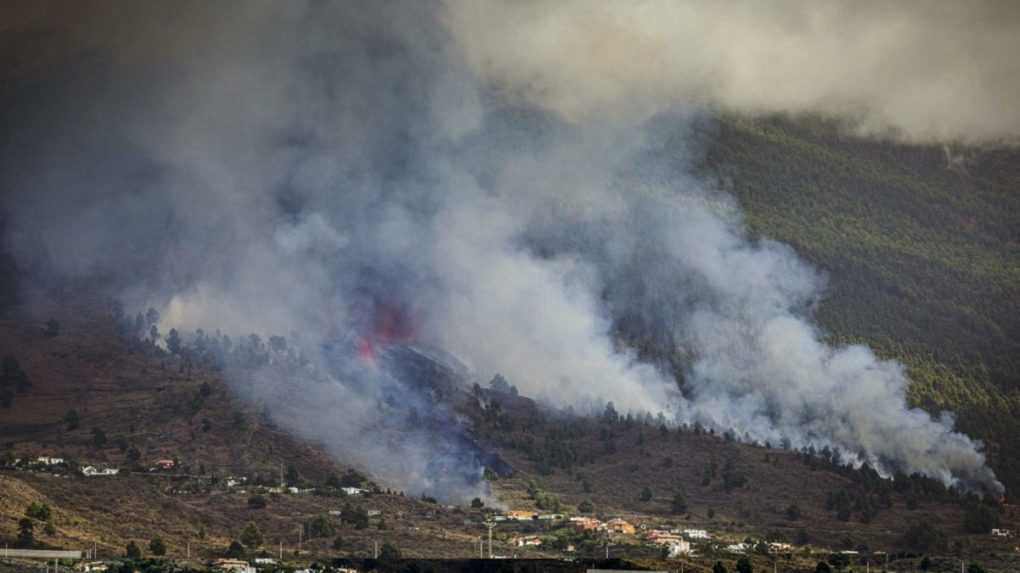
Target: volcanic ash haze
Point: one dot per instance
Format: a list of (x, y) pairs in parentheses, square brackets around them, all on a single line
[(295, 167)]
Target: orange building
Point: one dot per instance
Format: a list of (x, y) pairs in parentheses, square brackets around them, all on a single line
[(521, 515), (621, 526), (586, 523)]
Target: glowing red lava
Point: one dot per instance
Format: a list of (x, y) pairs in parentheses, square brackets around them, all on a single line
[(389, 324)]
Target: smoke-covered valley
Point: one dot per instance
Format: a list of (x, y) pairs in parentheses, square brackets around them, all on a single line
[(366, 179)]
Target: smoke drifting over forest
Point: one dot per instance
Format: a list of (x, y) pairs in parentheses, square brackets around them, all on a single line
[(521, 200), (911, 71)]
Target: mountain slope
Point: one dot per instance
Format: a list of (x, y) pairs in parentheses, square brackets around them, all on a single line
[(921, 245)]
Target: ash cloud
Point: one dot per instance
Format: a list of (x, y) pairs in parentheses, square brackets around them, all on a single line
[(910, 71), (315, 169)]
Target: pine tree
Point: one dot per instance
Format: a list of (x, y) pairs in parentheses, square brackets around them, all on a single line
[(251, 537), (132, 551), (157, 547)]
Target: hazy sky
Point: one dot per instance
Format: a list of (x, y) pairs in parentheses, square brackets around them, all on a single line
[(911, 70)]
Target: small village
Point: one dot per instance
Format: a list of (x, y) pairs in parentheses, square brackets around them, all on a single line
[(504, 534), (514, 533)]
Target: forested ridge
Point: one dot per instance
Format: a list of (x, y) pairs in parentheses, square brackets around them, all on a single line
[(921, 247)]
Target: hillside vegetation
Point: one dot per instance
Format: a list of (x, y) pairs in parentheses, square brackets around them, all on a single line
[(921, 251), (921, 245)]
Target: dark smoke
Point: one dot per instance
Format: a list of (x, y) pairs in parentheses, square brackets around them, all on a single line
[(338, 173)]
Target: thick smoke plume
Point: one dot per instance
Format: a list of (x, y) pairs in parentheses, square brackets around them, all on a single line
[(358, 175), (909, 70)]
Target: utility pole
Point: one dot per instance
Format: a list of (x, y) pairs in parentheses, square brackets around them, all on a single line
[(375, 551), (300, 539), (490, 525), (281, 552)]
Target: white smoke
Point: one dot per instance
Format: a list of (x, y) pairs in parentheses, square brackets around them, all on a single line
[(294, 167), (909, 70)]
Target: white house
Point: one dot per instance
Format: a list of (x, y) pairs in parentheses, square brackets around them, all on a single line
[(696, 534), (93, 471), (662, 537), (48, 461), (353, 490), (679, 548), (738, 548), (1002, 532), (234, 566), (526, 541)]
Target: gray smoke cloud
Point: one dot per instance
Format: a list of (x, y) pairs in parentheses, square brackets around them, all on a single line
[(325, 170), (908, 70)]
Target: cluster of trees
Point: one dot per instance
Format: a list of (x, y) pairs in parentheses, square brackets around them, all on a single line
[(251, 536), (321, 526), (214, 350), (733, 476), (356, 516), (555, 452), (27, 525), (13, 381), (350, 478), (870, 493), (72, 420), (563, 443), (858, 500), (500, 384), (679, 504), (543, 500), (924, 537), (980, 516)]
